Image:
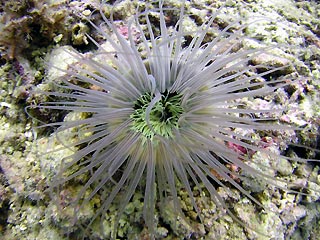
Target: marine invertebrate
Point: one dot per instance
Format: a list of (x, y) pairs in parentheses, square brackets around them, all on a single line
[(166, 116)]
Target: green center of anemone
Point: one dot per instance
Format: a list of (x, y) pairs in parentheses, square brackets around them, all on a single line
[(157, 116)]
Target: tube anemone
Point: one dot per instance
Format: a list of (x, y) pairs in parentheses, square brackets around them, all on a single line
[(164, 114)]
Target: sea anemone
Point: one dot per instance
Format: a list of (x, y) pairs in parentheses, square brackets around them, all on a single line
[(163, 110)]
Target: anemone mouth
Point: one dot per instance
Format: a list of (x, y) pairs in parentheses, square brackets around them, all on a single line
[(157, 114)]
